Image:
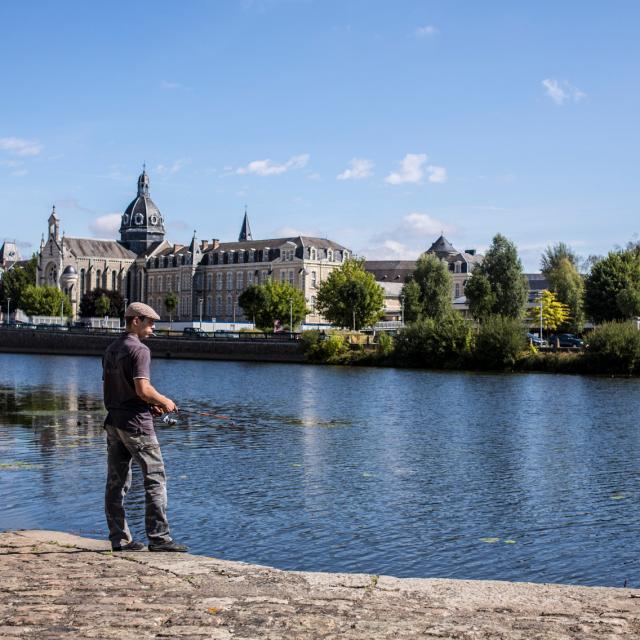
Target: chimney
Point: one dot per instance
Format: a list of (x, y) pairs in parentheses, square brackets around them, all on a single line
[(203, 245), (215, 243)]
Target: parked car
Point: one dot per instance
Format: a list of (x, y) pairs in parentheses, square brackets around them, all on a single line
[(536, 340), (194, 332), (566, 340)]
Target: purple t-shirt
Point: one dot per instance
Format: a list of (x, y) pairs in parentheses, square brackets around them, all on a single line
[(124, 360)]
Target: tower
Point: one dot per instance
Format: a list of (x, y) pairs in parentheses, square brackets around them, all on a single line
[(142, 223)]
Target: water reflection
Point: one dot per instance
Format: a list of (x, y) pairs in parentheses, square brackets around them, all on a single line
[(401, 472)]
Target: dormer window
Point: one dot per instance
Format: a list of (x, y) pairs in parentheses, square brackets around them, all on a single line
[(139, 218), (330, 255), (252, 255), (312, 253)]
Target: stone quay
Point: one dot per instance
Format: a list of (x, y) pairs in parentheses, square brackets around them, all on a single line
[(58, 585)]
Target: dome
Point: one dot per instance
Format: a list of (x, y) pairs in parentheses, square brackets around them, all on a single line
[(70, 271), (142, 213)]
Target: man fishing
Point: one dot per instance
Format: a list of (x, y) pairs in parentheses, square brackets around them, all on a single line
[(131, 402)]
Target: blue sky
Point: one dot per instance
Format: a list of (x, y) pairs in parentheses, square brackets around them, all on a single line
[(376, 124)]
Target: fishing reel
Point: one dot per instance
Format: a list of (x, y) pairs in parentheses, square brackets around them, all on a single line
[(169, 420)]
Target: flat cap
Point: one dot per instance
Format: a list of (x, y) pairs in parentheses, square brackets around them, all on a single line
[(140, 309)]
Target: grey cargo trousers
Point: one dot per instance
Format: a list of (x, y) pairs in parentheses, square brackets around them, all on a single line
[(122, 448)]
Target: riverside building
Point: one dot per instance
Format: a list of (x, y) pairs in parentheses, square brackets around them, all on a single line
[(207, 277)]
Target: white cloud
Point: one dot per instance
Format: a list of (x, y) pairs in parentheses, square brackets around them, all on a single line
[(561, 92), (269, 168), (20, 147), (19, 172), (409, 239), (314, 176), (163, 169), (411, 169), (292, 232), (437, 174), (106, 225), (169, 86), (416, 223), (426, 31), (359, 169)]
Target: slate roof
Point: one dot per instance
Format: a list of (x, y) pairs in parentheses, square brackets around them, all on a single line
[(319, 243), (390, 270), (93, 248)]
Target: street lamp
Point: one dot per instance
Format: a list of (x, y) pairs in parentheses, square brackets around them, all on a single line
[(402, 310), (8, 310), (61, 312), (200, 301), (290, 315)]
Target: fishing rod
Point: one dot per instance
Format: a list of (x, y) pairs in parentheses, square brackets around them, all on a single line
[(168, 419)]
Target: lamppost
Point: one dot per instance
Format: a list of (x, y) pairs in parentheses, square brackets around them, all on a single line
[(290, 315), (402, 310), (8, 310), (541, 318), (200, 302), (61, 312)]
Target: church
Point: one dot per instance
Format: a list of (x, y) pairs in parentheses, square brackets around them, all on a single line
[(206, 276)]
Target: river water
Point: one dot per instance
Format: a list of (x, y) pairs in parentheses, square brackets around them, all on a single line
[(385, 471)]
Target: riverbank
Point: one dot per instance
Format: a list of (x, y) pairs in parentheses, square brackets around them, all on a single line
[(55, 585), (58, 342)]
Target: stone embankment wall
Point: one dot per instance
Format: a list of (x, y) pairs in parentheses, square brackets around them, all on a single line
[(57, 585), (71, 343)]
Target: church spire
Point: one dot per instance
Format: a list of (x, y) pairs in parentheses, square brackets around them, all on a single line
[(245, 231)]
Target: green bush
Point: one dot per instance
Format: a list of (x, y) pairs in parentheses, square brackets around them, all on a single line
[(499, 343), (384, 344), (320, 347), (434, 342), (614, 347)]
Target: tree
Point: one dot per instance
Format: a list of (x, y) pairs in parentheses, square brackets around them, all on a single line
[(273, 301), (91, 308), (559, 265), (15, 280), (554, 255), (428, 293), (351, 296), (554, 313), (45, 301), (102, 305), (497, 285), (612, 288), (170, 304)]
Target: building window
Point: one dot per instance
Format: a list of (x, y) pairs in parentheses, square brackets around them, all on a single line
[(457, 295), (239, 281), (150, 285), (209, 306), (219, 304), (113, 280), (251, 255), (313, 304), (249, 278), (265, 254), (312, 253), (210, 281), (82, 284), (291, 276), (457, 267), (218, 280), (265, 275), (229, 303), (330, 255), (314, 280), (283, 275), (230, 280)]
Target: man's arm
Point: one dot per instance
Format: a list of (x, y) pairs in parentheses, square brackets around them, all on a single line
[(146, 392)]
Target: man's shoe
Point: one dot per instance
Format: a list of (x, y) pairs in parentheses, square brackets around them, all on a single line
[(131, 546), (172, 545)]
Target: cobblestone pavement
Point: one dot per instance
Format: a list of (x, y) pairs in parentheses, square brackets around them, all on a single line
[(56, 585)]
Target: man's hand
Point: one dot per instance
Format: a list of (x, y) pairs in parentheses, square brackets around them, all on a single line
[(155, 410), (146, 392)]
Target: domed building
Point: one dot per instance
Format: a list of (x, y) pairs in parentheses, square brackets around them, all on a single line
[(142, 225), (205, 278)]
